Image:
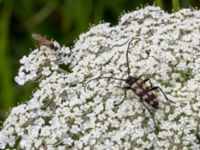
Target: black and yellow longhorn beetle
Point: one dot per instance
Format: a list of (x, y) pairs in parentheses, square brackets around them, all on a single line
[(138, 86)]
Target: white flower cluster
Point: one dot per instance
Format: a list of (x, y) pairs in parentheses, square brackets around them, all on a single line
[(42, 62), (62, 115)]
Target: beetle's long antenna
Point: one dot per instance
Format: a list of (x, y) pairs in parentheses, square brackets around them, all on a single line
[(128, 68), (85, 85)]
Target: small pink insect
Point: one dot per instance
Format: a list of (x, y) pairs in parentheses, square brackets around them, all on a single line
[(43, 41)]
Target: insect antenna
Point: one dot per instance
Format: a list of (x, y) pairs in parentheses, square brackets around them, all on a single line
[(85, 85), (127, 62)]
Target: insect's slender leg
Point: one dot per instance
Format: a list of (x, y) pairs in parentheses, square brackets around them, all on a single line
[(197, 132), (150, 114), (147, 79), (156, 87), (125, 90)]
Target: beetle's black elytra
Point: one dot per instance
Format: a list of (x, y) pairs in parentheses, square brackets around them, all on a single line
[(138, 86)]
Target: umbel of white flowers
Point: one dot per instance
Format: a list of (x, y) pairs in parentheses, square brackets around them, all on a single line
[(62, 115)]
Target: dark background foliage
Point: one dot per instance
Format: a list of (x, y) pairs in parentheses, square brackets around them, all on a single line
[(62, 20)]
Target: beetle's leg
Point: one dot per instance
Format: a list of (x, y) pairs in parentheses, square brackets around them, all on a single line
[(150, 114), (125, 90), (156, 87), (147, 79), (197, 132)]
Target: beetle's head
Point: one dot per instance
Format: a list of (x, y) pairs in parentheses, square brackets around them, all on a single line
[(130, 80)]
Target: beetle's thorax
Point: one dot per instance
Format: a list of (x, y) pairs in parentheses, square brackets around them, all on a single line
[(130, 80)]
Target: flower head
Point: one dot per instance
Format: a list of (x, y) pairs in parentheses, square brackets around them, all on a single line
[(61, 114)]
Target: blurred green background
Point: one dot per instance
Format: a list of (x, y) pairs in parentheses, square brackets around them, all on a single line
[(62, 20)]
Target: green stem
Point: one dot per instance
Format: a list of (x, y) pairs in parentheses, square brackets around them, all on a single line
[(175, 5), (5, 67), (160, 3), (41, 15)]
